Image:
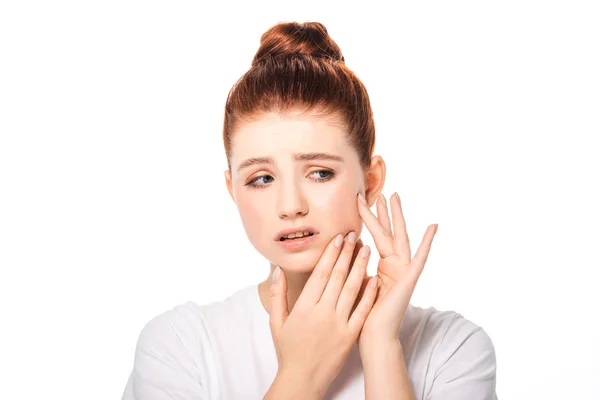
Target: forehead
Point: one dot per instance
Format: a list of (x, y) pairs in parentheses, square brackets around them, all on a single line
[(276, 135)]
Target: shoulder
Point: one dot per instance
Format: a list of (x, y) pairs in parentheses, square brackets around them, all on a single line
[(459, 336), (175, 334), (183, 317), (169, 354), (177, 350), (444, 328), (458, 349), (188, 321)]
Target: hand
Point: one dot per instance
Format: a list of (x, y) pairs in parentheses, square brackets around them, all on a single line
[(398, 273), (313, 341)]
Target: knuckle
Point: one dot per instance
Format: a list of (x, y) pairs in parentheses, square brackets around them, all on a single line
[(273, 291)]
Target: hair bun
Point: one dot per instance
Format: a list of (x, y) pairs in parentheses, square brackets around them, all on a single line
[(292, 38)]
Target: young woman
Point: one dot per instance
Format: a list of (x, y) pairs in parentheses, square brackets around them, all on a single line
[(299, 137)]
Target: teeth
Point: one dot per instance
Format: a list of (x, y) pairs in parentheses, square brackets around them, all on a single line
[(296, 235)]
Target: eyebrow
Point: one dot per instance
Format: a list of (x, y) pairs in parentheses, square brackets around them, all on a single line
[(297, 157)]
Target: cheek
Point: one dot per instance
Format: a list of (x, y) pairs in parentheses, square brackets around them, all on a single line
[(251, 213), (341, 209)]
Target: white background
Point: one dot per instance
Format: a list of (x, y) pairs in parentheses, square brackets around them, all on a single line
[(113, 205)]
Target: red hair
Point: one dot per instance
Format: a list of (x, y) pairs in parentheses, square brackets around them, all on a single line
[(299, 67)]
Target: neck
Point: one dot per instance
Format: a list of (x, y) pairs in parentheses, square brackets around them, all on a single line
[(295, 284)]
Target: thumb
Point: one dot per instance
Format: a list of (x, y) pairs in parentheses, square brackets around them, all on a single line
[(279, 303)]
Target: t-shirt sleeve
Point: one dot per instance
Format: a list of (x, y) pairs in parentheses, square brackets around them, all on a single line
[(163, 366), (466, 364)]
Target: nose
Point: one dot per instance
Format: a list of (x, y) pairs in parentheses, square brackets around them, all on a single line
[(292, 203)]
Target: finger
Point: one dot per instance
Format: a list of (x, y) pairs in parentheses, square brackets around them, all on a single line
[(382, 214), (401, 242), (361, 292), (357, 320), (340, 271), (359, 245), (420, 258), (315, 285), (353, 284), (279, 304), (383, 241)]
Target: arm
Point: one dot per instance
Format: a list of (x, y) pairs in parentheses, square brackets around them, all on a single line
[(289, 386), (386, 376)]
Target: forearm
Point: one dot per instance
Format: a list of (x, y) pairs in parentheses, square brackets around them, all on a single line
[(386, 375), (290, 386)]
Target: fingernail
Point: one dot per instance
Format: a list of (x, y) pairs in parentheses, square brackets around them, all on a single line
[(373, 282), (352, 237), (364, 252), (436, 228), (276, 274), (361, 198), (383, 199), (339, 240)]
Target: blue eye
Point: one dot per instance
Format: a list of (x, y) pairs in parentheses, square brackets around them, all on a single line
[(252, 182), (328, 176)]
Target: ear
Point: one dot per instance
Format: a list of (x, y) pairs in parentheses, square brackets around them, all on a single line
[(229, 184), (374, 180)]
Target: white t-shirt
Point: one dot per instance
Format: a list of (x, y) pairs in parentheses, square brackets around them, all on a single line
[(224, 350)]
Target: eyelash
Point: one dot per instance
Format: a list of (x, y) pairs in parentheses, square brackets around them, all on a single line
[(252, 185)]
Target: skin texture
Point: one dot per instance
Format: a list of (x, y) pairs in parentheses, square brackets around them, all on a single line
[(290, 192)]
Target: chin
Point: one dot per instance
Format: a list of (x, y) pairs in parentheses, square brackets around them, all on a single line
[(298, 262)]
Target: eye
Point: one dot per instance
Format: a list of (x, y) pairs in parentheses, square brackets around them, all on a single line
[(321, 178), (253, 184), (322, 175)]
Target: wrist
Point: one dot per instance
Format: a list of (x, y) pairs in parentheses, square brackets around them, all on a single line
[(373, 347), (385, 371), (292, 385)]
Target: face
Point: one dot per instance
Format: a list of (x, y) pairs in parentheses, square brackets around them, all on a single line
[(290, 191)]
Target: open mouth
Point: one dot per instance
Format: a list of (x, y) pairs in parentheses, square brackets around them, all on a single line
[(283, 239)]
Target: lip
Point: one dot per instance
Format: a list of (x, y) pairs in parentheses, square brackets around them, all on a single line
[(301, 228), (297, 244)]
